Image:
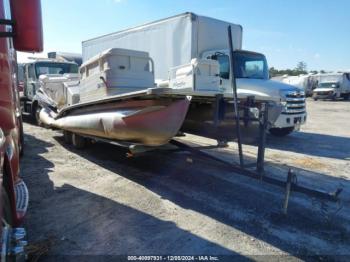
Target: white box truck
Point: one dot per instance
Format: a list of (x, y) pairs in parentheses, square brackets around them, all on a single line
[(332, 86), (177, 40)]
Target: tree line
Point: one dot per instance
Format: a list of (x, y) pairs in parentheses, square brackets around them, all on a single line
[(300, 69)]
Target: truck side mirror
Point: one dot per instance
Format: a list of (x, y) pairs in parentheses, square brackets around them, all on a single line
[(27, 25)]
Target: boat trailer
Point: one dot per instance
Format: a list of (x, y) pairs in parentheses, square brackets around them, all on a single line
[(291, 182)]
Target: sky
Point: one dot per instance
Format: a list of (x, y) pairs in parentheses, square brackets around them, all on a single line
[(317, 32)]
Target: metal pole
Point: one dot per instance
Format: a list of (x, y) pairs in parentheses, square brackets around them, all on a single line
[(235, 100), (288, 187), (262, 138)]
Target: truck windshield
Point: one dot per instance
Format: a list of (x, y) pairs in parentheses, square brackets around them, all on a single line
[(250, 65), (247, 65), (44, 68), (329, 85)]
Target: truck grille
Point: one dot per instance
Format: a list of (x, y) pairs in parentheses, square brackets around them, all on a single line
[(295, 103)]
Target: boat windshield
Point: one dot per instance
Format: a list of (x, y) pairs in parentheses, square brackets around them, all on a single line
[(44, 68), (250, 65)]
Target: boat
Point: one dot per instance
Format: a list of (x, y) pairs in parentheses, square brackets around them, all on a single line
[(115, 99)]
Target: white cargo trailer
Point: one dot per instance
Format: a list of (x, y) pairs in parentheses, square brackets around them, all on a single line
[(176, 41), (305, 82), (170, 42)]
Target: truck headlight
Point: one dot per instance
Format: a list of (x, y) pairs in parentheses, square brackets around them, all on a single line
[(284, 103)]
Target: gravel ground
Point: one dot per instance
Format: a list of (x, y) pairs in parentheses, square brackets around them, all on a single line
[(99, 202)]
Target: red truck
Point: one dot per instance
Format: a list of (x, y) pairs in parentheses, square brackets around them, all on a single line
[(20, 30)]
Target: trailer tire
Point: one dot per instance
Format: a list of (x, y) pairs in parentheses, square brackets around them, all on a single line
[(67, 137), (346, 96), (280, 132), (78, 141), (36, 114)]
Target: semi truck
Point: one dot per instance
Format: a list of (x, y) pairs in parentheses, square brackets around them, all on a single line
[(31, 83), (21, 30), (177, 40), (65, 56)]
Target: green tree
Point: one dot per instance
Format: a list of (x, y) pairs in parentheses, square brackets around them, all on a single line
[(301, 66)]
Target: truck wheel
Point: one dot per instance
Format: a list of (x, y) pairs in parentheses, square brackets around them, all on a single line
[(280, 132), (67, 137), (8, 223), (78, 141), (36, 112), (315, 99)]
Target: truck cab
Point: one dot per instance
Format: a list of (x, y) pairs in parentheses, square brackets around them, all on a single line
[(252, 79), (31, 83)]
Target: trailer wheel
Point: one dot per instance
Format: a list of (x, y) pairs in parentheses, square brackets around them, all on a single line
[(36, 112), (280, 132), (78, 141), (346, 96), (67, 137)]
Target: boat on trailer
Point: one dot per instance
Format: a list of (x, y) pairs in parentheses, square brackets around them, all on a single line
[(115, 99)]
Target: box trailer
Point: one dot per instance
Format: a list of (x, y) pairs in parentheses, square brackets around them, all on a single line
[(170, 42)]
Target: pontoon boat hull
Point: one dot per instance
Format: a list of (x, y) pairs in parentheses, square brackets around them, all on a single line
[(150, 122)]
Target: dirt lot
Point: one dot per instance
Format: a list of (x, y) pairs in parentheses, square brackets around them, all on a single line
[(98, 202)]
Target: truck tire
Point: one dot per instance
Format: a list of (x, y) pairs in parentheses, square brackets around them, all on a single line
[(8, 222), (346, 96), (280, 132), (67, 137), (36, 114), (78, 141)]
